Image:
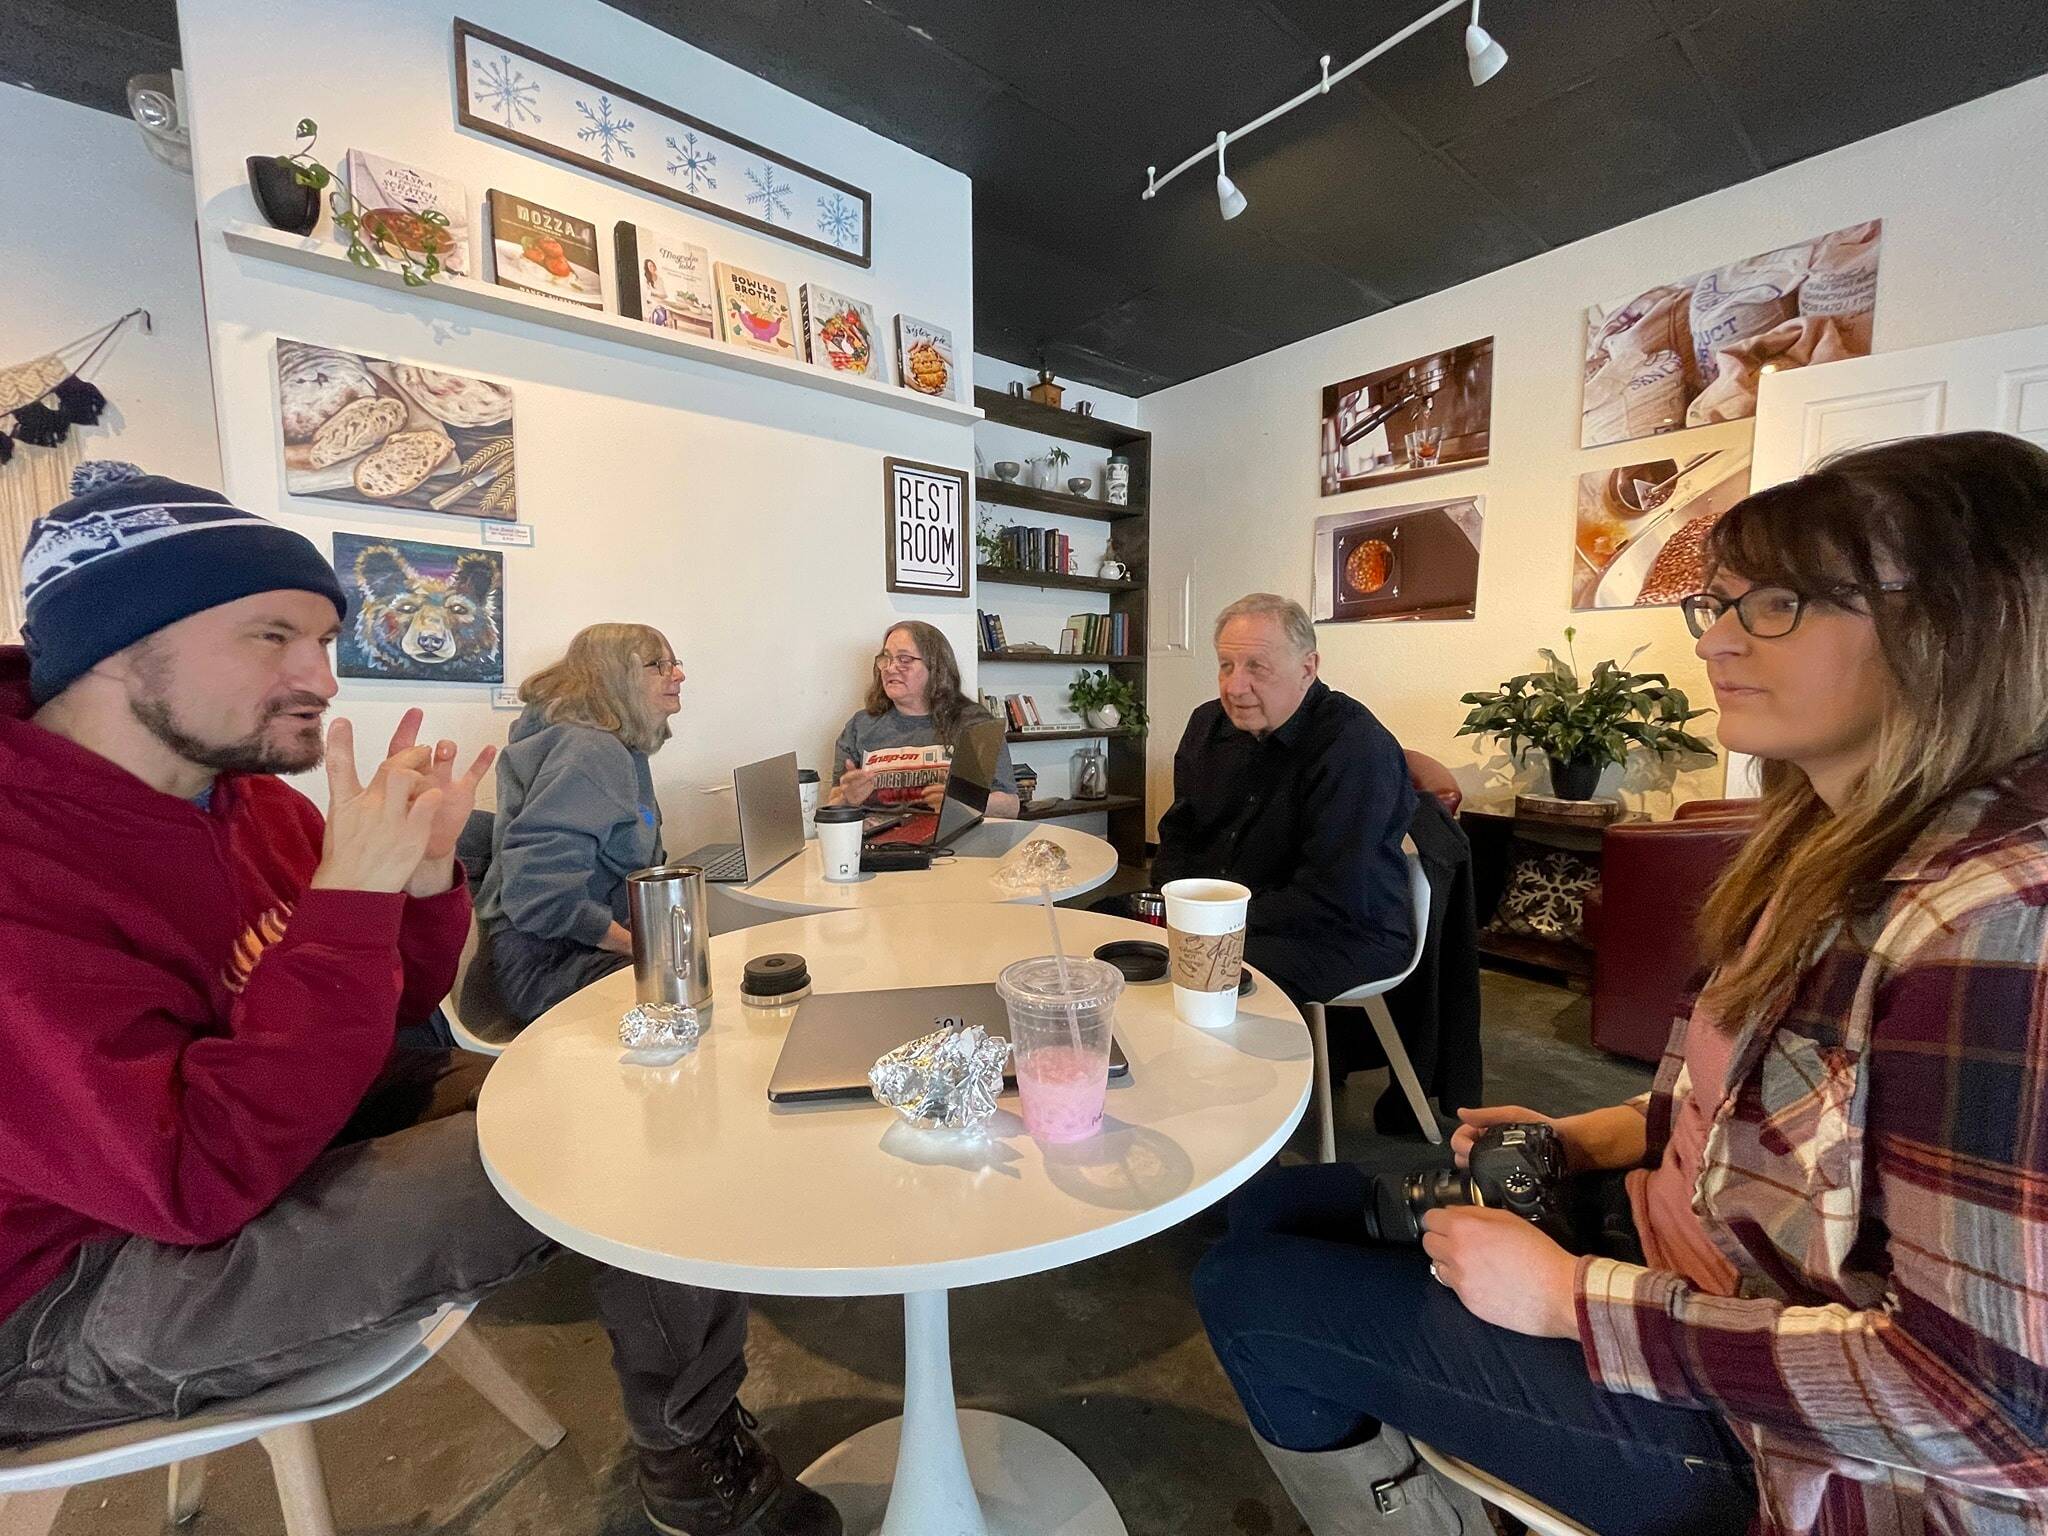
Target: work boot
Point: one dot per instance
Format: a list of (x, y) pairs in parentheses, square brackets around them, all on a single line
[(1378, 1488), (729, 1484)]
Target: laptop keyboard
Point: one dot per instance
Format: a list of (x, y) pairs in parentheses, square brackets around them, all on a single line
[(730, 865)]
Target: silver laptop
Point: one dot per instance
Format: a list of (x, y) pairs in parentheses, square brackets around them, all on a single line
[(771, 824), (836, 1036)]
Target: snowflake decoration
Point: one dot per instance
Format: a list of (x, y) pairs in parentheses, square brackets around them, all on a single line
[(692, 164), (839, 220), (606, 132), (503, 90), (770, 195)]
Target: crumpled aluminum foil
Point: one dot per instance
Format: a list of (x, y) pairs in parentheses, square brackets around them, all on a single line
[(948, 1080), (1035, 864), (660, 1027)]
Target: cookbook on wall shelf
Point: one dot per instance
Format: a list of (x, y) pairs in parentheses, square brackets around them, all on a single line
[(839, 332), (539, 250), (374, 432), (665, 280), (522, 96), (755, 312), (420, 212)]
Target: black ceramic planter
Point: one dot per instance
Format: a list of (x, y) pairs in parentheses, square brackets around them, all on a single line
[(1575, 780), (283, 202)]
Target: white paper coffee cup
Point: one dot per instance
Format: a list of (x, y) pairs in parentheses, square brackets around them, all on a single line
[(1205, 944), (839, 832)]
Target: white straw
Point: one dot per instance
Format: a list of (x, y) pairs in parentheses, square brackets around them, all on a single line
[(1059, 954)]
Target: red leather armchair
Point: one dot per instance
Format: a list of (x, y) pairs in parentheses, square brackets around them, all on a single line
[(1431, 777), (1654, 876)]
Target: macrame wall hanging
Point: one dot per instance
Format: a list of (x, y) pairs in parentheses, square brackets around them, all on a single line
[(41, 400)]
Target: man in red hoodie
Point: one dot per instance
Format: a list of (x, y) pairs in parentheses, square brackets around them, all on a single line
[(216, 1172)]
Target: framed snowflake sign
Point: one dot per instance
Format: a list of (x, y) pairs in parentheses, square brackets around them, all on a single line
[(508, 91)]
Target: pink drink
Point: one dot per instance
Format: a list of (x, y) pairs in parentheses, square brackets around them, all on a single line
[(1062, 1092)]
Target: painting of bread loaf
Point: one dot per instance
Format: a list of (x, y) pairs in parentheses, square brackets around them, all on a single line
[(373, 432), (418, 612)]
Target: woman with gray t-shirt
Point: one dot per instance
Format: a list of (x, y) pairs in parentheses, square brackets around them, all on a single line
[(897, 749)]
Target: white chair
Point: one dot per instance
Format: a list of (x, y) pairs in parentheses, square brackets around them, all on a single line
[(280, 1418), (466, 1035), (1372, 997), (1539, 1518)]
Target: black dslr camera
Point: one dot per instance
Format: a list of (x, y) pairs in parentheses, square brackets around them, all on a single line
[(1518, 1168)]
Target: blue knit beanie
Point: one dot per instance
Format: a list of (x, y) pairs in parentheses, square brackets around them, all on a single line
[(130, 553)]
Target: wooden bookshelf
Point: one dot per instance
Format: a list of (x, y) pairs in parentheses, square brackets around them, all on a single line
[(1130, 540), (1003, 575), (1064, 658), (1010, 494)]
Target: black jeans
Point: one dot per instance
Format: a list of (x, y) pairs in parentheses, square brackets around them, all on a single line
[(1326, 1334), (398, 1218)]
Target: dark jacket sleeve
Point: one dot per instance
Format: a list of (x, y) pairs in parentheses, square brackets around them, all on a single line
[(1175, 859)]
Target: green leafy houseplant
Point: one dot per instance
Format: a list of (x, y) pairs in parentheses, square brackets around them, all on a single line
[(1583, 728), (382, 227), (1099, 690), (989, 548)]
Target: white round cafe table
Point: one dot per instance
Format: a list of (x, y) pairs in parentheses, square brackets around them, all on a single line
[(686, 1172), (800, 885)]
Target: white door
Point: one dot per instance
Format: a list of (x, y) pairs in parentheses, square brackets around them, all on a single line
[(1803, 416)]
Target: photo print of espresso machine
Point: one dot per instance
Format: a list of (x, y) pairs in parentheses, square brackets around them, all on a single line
[(1419, 417)]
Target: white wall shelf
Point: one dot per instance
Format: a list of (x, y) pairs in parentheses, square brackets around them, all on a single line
[(323, 256)]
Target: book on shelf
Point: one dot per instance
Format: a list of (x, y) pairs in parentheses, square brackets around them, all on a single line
[(755, 312), (1070, 641), (993, 705), (1028, 648), (538, 250), (392, 199), (1031, 711), (665, 281), (839, 332), (924, 357)]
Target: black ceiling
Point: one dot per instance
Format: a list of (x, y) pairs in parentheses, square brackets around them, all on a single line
[(1404, 181)]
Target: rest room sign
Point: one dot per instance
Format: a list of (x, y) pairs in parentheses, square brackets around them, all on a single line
[(924, 517)]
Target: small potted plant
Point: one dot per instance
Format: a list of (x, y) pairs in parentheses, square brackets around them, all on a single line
[(1106, 702), (288, 188), (1583, 728), (989, 548)]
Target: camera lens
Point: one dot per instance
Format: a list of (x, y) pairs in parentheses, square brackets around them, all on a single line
[(1394, 1213)]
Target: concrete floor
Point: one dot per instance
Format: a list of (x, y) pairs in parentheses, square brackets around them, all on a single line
[(1108, 1356)]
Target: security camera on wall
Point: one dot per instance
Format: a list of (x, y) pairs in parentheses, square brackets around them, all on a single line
[(157, 103)]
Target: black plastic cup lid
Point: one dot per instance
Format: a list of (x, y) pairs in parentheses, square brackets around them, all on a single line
[(838, 814), (1138, 959), (774, 975)]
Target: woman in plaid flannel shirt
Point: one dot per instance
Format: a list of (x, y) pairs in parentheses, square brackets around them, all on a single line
[(1839, 1183)]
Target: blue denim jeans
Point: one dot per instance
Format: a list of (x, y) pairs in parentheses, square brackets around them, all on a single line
[(1326, 1334)]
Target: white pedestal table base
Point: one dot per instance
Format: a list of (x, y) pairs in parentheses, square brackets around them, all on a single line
[(938, 1471)]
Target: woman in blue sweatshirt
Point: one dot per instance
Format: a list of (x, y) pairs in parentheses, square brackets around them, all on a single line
[(576, 815)]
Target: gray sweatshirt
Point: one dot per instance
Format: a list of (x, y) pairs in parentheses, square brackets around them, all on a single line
[(576, 815)]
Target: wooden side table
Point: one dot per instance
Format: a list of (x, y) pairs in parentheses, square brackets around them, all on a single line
[(1493, 835)]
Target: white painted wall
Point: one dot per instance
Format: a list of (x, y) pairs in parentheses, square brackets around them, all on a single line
[(94, 225), (1235, 492), (741, 515)]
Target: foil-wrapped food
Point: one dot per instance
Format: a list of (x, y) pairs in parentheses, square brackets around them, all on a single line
[(660, 1027), (1036, 863), (947, 1080)]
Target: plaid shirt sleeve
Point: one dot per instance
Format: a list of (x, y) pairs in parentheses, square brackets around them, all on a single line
[(1944, 1371)]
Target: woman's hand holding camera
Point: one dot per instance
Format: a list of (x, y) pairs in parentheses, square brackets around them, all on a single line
[(1472, 1121), (1506, 1271)]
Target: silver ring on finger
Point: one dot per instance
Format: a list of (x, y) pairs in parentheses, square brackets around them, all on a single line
[(1437, 1276)]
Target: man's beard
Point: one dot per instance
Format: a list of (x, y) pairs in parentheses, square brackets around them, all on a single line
[(250, 754)]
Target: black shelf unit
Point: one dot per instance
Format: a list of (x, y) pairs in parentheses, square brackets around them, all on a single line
[(1063, 658), (1010, 494), (1130, 540), (1075, 733)]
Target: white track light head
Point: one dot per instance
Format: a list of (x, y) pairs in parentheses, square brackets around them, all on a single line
[(1229, 198), (1483, 56)]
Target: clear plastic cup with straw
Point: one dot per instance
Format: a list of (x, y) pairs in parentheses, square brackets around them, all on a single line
[(1061, 1016)]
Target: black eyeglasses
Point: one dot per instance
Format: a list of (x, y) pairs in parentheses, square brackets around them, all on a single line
[(1768, 613)]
